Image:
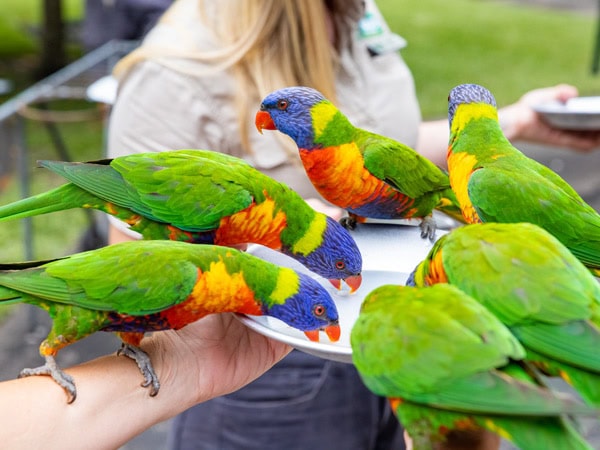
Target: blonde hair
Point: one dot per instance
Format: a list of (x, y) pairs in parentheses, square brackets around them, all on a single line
[(267, 45)]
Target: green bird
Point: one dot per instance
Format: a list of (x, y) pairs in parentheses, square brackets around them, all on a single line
[(447, 365), (496, 182), (535, 286), (146, 286), (367, 174), (201, 196)]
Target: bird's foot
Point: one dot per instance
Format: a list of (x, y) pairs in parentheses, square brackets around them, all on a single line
[(348, 222), (428, 227), (143, 361), (61, 378)]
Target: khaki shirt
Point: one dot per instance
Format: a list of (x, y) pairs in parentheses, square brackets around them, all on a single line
[(162, 105)]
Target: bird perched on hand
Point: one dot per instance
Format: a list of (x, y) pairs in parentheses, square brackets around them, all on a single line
[(144, 286), (535, 286), (448, 365), (496, 182), (201, 196), (368, 175)]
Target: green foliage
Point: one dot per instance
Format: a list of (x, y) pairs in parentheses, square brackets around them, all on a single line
[(56, 234), (507, 48), (20, 21)]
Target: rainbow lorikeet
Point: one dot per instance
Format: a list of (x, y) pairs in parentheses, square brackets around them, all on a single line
[(447, 364), (368, 175), (535, 286), (201, 196), (142, 286), (496, 182)]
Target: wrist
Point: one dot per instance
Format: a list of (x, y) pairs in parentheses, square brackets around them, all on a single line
[(510, 122)]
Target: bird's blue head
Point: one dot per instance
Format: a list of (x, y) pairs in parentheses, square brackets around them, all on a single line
[(468, 93), (310, 310), (336, 257), (410, 281), (289, 111)]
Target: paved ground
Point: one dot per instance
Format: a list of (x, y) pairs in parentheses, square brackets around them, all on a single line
[(21, 334)]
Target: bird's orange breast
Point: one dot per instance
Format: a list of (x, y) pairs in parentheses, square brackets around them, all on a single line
[(260, 223), (338, 173), (460, 168), (215, 291)]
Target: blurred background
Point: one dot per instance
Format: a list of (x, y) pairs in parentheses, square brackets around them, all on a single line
[(51, 51)]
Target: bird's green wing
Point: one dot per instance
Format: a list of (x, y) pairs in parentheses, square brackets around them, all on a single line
[(545, 283), (400, 166), (126, 278), (440, 347), (190, 189), (576, 342), (409, 341), (501, 193)]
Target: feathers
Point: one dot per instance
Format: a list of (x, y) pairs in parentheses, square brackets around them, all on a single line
[(141, 286), (533, 284), (201, 196), (495, 182), (447, 364), (369, 175)]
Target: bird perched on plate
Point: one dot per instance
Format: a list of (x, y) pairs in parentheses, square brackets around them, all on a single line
[(535, 286), (447, 365), (496, 182), (145, 286), (368, 175), (201, 196)]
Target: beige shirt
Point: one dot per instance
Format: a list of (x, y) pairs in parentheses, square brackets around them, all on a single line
[(162, 105)]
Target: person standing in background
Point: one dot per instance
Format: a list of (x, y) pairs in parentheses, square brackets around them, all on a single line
[(196, 82)]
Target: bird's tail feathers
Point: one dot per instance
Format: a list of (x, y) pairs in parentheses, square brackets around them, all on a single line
[(67, 196), (426, 425), (549, 433), (586, 383), (9, 296)]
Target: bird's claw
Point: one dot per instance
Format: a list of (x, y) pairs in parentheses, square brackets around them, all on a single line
[(61, 378), (142, 360), (428, 227), (348, 222)]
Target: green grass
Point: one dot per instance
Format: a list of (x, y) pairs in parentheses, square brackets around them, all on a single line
[(54, 234), (505, 47), (20, 34)]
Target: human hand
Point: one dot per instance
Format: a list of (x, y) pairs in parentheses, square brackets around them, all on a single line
[(521, 123), (211, 357)]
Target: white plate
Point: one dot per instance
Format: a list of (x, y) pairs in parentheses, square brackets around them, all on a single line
[(390, 253), (579, 113)]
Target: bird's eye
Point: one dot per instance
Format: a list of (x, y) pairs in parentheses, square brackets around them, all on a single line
[(339, 264), (319, 310), (282, 105)]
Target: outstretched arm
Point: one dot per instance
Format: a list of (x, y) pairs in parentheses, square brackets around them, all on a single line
[(209, 358)]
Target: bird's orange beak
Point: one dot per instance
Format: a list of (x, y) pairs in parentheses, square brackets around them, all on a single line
[(337, 283), (332, 331), (353, 282), (263, 121)]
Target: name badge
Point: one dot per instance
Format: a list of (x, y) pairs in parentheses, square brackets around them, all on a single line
[(374, 31)]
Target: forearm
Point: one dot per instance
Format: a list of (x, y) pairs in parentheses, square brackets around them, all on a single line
[(111, 407), (211, 357), (433, 141)]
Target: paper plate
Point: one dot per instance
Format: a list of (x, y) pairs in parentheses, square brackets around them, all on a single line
[(579, 113), (390, 253)]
